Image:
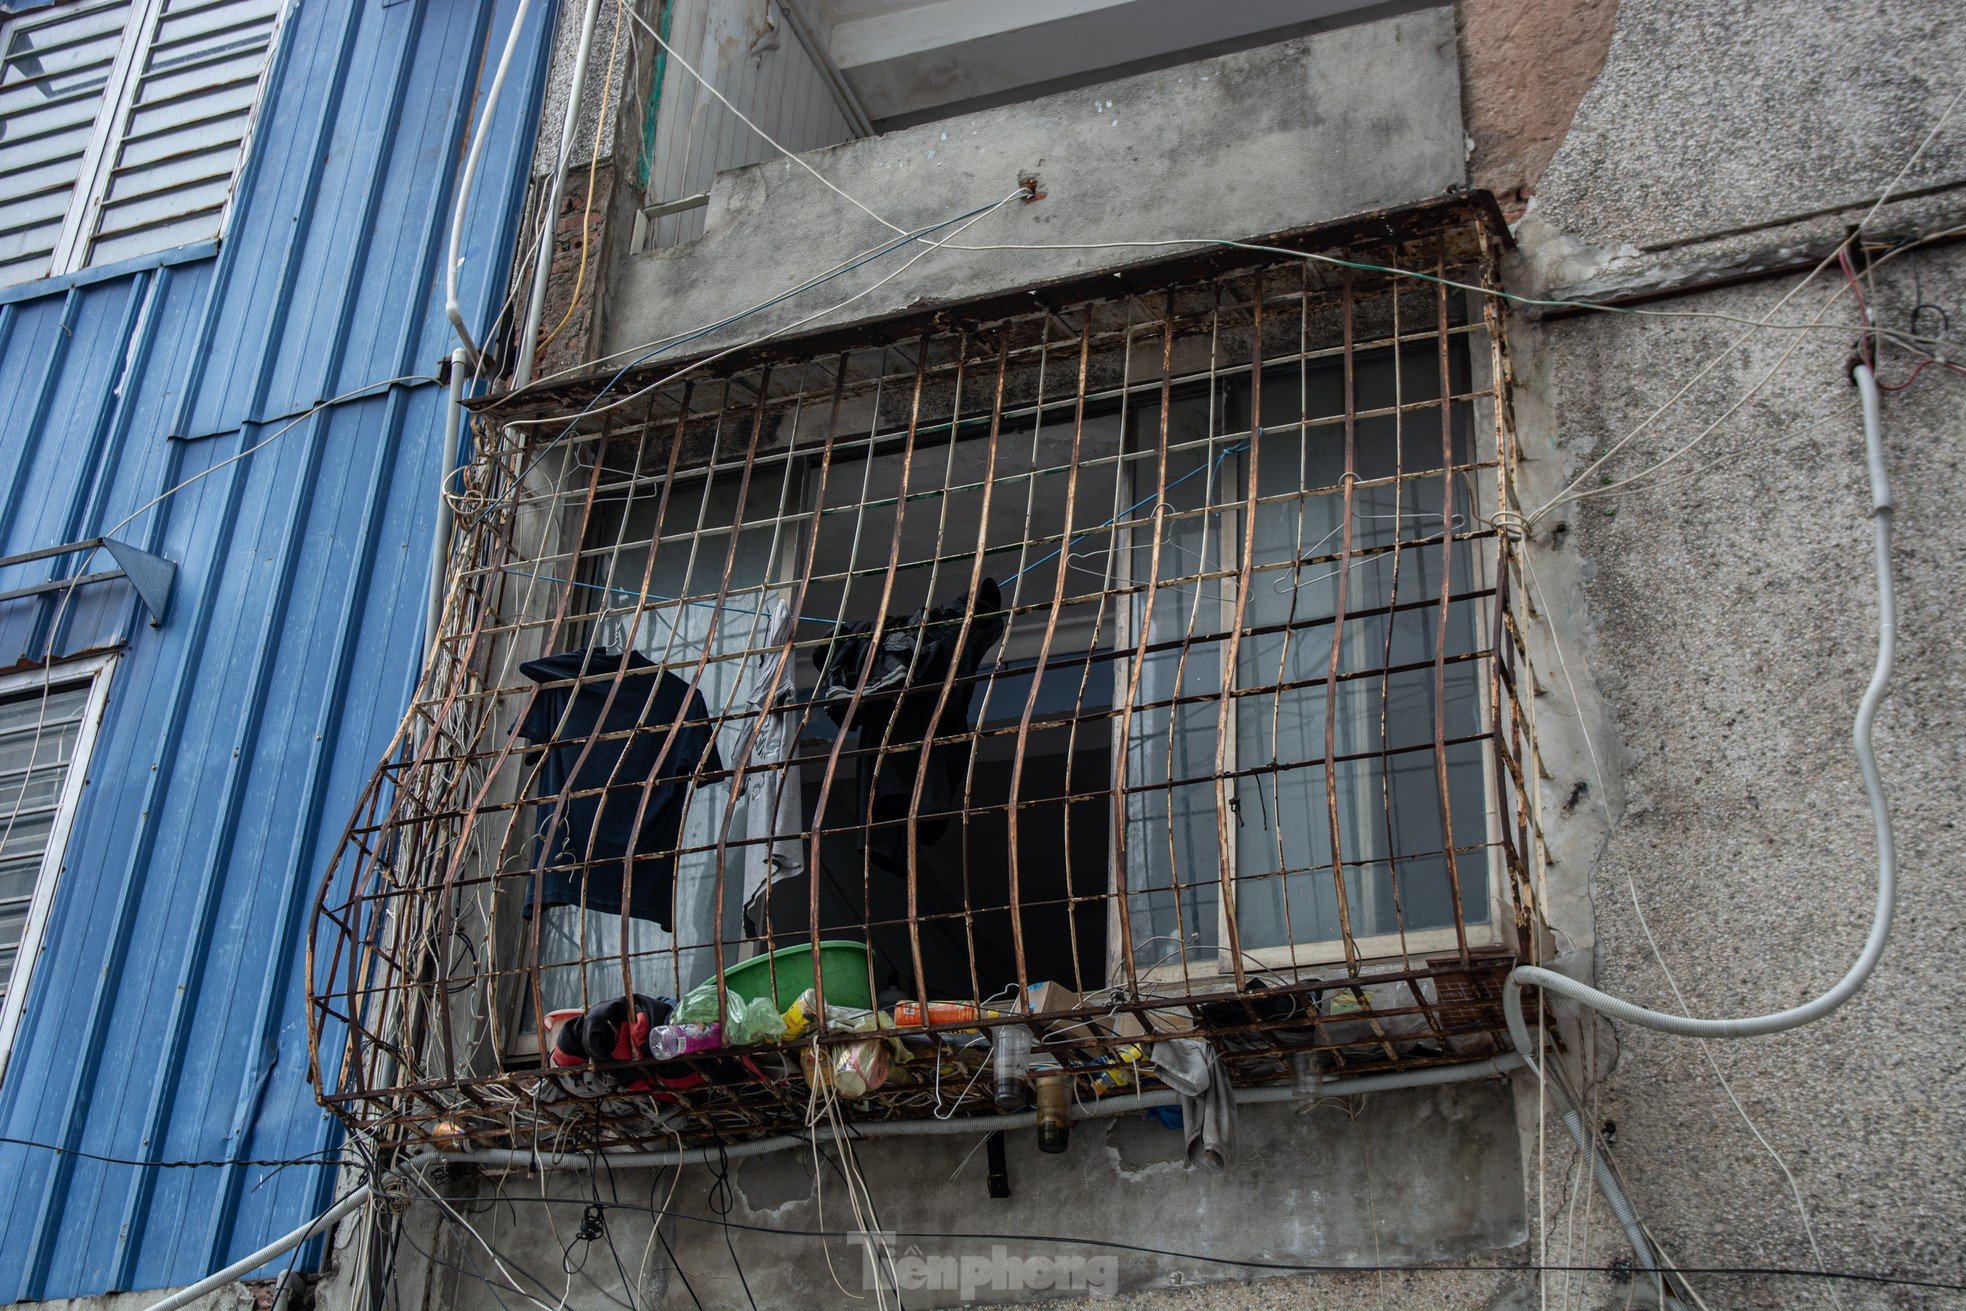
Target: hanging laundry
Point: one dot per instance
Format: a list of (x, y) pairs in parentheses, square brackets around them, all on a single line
[(900, 683), (585, 842), (1208, 1104)]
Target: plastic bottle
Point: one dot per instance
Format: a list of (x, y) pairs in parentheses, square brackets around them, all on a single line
[(1054, 1113), (907, 1014), (1011, 1061), (668, 1041), (1305, 1076)]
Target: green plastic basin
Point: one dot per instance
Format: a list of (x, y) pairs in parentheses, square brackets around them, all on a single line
[(842, 963)]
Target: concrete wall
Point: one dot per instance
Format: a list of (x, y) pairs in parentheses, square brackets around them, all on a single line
[(1249, 143), (1719, 618), (1403, 1179)]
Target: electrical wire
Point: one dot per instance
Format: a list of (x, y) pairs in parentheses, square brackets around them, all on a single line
[(593, 168), (722, 1199), (770, 140), (1206, 1258), (314, 1158)]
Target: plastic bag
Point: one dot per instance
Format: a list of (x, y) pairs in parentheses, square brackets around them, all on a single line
[(745, 1022)]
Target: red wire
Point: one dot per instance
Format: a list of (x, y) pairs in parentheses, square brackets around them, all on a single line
[(1863, 309), (1913, 376)]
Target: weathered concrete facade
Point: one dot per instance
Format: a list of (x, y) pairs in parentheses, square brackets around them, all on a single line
[(1706, 634)]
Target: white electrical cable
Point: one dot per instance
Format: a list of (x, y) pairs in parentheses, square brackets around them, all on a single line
[(241, 1268), (769, 140), (452, 310), (1880, 930)]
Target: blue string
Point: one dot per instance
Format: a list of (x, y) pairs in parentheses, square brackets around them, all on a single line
[(1237, 449)]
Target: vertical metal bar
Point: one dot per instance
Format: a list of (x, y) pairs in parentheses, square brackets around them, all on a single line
[(1446, 591), (1143, 627), (948, 684), (1350, 481), (912, 825), (1044, 656), (1225, 836), (860, 680), (1067, 803), (1392, 626)]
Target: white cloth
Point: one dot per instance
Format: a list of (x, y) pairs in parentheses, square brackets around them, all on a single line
[(773, 799), (1208, 1105)]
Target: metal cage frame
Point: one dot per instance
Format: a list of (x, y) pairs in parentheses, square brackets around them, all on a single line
[(427, 1009)]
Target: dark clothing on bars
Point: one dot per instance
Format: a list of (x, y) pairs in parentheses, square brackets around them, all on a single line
[(584, 842), (900, 684)]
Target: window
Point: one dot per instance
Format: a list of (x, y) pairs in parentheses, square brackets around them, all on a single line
[(1219, 756), (1392, 856), (122, 126), (1196, 684), (47, 725)]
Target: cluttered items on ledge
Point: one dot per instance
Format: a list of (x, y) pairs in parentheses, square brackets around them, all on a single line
[(1034, 1055)]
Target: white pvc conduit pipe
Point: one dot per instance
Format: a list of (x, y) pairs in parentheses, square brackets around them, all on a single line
[(543, 264), (1753, 1026), (452, 310), (241, 1268), (1103, 1108), (1429, 1077)]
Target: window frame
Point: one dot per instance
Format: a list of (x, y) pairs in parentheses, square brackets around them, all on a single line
[(90, 191), (1224, 539), (95, 671)]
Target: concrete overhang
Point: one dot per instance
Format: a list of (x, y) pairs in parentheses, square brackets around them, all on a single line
[(909, 60)]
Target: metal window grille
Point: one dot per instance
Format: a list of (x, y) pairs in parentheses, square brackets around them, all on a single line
[(1151, 638)]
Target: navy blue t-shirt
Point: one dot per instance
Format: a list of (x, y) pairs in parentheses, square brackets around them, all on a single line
[(584, 842)]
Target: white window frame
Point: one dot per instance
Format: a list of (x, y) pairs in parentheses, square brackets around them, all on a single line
[(1309, 953), (71, 253), (95, 671)]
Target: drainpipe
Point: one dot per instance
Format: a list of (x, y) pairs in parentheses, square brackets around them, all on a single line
[(452, 310), (1105, 1107), (543, 264), (440, 541)]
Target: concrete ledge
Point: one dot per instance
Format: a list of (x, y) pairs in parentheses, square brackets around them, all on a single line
[(1259, 141)]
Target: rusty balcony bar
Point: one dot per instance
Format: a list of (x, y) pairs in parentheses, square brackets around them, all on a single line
[(1117, 661)]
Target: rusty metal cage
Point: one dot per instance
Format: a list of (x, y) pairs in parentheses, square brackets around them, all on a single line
[(1142, 652)]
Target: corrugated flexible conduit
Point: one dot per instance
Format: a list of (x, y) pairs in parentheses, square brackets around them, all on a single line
[(1754, 1026), (1432, 1076)]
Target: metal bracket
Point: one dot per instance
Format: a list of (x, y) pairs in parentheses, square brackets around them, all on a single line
[(151, 575)]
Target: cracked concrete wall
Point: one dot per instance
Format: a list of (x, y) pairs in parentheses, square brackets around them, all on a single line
[(1404, 1178), (1718, 618)]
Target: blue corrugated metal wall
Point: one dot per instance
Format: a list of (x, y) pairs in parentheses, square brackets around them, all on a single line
[(165, 1016)]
